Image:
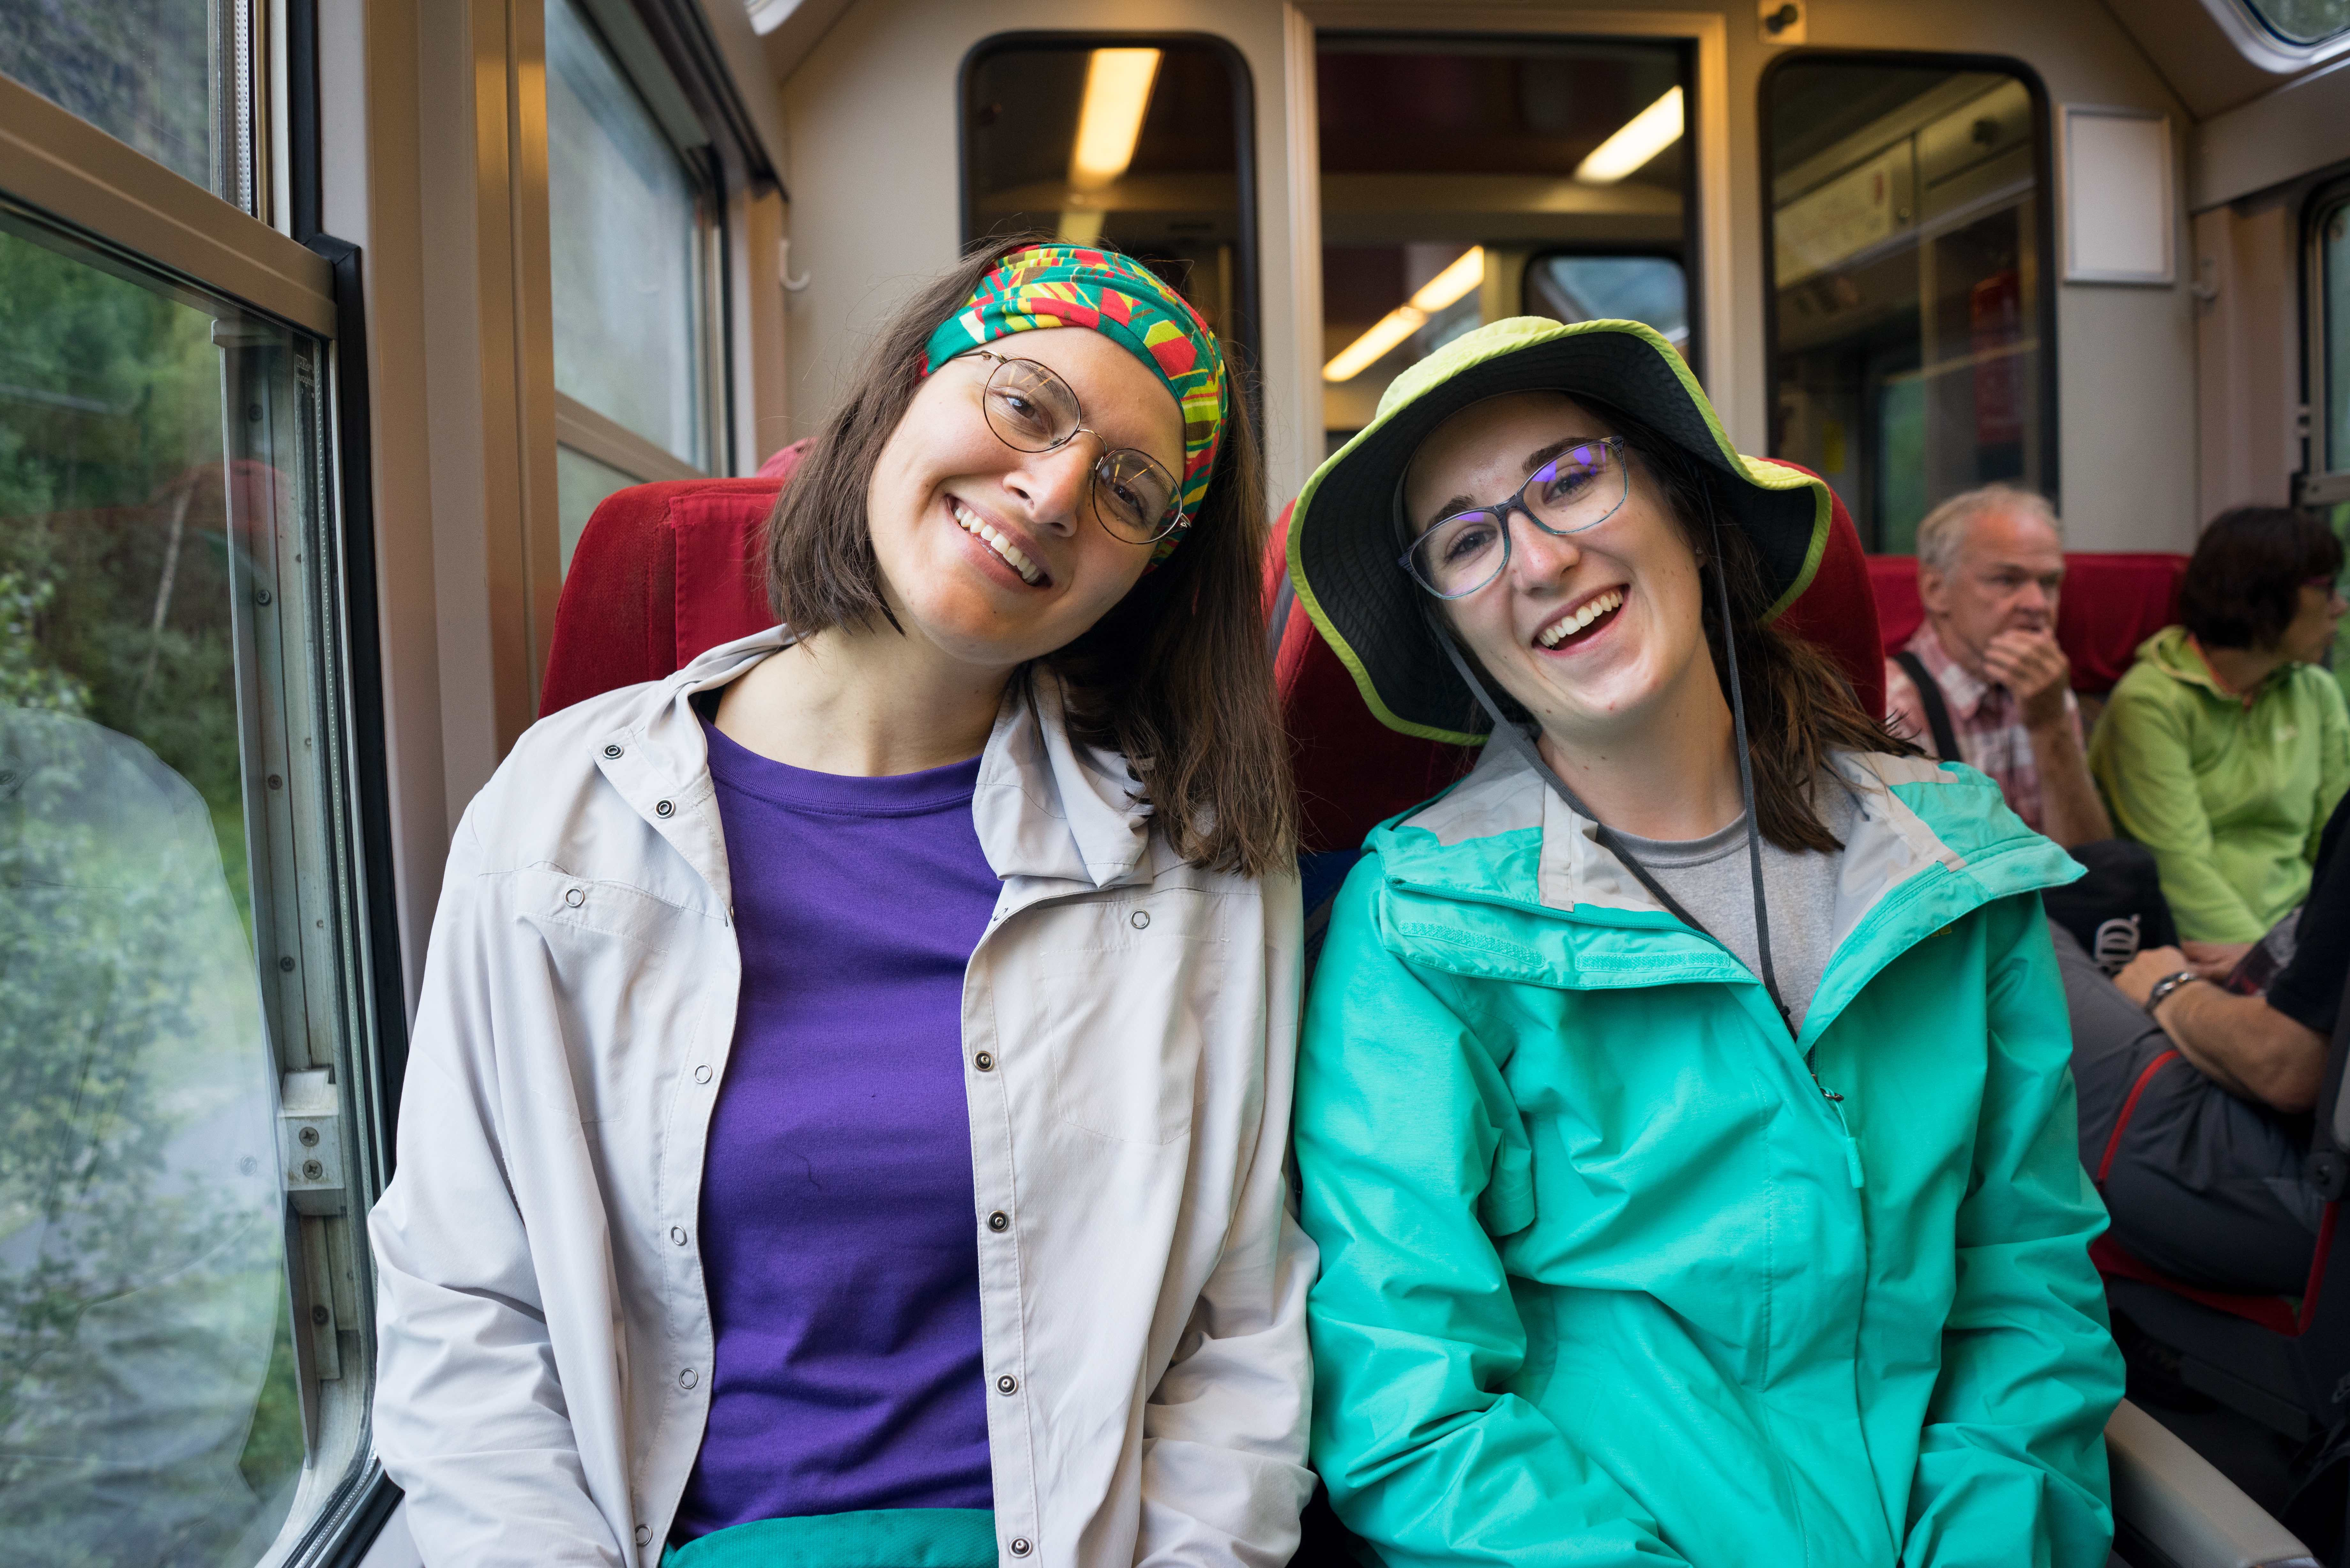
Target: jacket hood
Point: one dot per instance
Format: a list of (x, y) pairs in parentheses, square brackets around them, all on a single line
[(1046, 804), (1930, 843)]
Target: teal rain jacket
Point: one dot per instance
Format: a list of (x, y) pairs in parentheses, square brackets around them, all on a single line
[(1608, 1278)]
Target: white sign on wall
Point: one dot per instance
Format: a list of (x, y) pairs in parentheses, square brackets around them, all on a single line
[(2119, 211)]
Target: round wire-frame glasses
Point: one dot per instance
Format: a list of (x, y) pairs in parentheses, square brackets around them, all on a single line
[(1579, 488), (1029, 408)]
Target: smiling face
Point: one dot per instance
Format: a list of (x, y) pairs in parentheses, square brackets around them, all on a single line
[(1598, 634), (992, 554)]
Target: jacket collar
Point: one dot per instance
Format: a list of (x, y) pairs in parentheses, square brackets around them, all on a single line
[(2173, 651), (1502, 835), (1046, 804)]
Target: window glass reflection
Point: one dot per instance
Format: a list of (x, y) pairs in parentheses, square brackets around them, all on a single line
[(630, 249), (150, 1405), (1906, 244), (1462, 178), (1652, 290), (581, 484), (168, 76), (1136, 146)]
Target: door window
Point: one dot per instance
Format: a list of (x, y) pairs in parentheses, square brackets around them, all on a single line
[(1138, 142), (1467, 179), (1910, 304)]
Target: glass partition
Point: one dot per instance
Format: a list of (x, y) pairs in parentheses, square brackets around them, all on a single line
[(1911, 316), (184, 1328), (1467, 179), (1131, 141)]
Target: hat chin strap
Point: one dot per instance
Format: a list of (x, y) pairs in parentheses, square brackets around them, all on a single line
[(1609, 838)]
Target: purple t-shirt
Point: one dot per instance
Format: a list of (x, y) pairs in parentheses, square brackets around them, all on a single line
[(839, 1237)]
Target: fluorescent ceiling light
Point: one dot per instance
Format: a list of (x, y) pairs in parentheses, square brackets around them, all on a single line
[(1446, 287), (1465, 273), (1117, 92), (1639, 138)]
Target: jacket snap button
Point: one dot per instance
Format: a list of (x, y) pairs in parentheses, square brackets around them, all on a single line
[(677, 1234), (644, 1534), (1006, 1384), (702, 1075), (999, 1220), (575, 897), (1140, 918), (687, 1379), (664, 809), (984, 1062), (614, 752), (1020, 1546)]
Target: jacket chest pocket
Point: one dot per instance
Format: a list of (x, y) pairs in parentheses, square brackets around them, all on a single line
[(1121, 1006)]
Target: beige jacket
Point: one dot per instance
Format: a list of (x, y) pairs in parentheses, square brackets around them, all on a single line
[(546, 1337)]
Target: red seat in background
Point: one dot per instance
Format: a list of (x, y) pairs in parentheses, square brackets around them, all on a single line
[(1354, 772), (661, 573), (2112, 602)]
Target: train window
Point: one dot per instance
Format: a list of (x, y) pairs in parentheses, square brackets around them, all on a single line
[(1653, 290), (185, 1340), (173, 79), (634, 209), (2302, 22), (1467, 179), (1910, 311), (1136, 140)]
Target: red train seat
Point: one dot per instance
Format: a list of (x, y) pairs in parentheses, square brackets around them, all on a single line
[(1354, 772), (2112, 602), (661, 573)]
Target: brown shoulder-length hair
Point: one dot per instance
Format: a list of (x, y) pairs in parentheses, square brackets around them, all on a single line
[(1176, 677), (1799, 704)]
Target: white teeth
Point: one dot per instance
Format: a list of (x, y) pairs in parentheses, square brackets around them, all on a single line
[(1030, 573), (1551, 636)]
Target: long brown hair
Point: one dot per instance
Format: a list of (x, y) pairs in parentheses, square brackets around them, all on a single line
[(1176, 677), (1799, 704)]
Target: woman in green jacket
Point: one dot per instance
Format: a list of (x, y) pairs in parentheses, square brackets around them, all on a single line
[(1662, 1222), (2225, 746)]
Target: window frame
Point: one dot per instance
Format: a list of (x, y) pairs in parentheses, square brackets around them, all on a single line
[(2263, 45), (1247, 302), (2043, 201), (2324, 476), (97, 191)]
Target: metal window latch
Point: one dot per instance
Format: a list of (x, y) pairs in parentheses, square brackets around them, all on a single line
[(310, 1142)]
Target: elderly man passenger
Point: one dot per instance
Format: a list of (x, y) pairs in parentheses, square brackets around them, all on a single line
[(1984, 679)]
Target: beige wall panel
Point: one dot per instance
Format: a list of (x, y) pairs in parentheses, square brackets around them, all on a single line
[(875, 183), (2248, 393)]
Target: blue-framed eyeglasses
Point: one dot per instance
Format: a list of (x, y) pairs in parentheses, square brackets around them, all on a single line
[(1580, 488)]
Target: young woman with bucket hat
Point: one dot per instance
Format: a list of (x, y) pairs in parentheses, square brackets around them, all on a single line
[(1683, 1113)]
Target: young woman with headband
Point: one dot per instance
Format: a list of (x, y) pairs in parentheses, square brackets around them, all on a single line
[(845, 1120), (1683, 1113)]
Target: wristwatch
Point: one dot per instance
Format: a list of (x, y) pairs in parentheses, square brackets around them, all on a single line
[(2165, 986)]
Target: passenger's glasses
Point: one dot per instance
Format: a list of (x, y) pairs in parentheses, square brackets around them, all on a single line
[(1580, 489), (1030, 409)]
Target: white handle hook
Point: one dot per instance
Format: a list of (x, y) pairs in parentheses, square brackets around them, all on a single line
[(784, 270)]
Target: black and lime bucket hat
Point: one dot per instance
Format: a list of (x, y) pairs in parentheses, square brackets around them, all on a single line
[(1343, 546)]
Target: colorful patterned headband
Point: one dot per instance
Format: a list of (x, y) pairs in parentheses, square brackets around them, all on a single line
[(1065, 286)]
